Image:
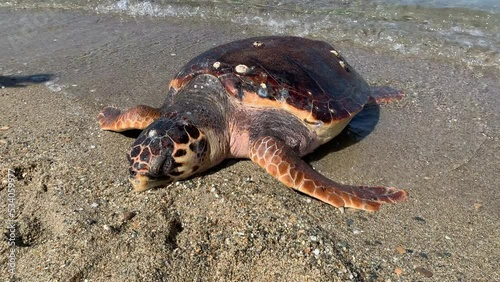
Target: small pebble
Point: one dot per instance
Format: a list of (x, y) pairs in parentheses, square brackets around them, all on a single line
[(418, 218), (447, 237), (424, 272), (398, 271), (94, 205), (401, 250), (343, 244), (356, 232), (444, 254), (424, 255), (128, 215), (313, 238), (349, 222), (5, 127), (316, 252)]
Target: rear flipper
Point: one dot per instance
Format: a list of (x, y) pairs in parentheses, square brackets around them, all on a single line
[(285, 165), (138, 117), (385, 94)]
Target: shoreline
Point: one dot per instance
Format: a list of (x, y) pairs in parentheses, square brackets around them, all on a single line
[(467, 36)]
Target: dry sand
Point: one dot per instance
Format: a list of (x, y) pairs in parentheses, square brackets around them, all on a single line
[(77, 220)]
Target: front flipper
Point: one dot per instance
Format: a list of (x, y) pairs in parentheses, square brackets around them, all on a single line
[(135, 118), (284, 164)]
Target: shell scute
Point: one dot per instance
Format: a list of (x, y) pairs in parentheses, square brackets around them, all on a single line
[(321, 110)]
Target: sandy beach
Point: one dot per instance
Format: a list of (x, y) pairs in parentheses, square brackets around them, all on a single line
[(76, 218)]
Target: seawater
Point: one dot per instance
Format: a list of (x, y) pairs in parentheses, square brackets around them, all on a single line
[(463, 31)]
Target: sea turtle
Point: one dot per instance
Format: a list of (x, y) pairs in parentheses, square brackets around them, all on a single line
[(270, 99)]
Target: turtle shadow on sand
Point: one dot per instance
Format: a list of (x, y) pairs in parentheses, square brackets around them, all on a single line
[(360, 126), (134, 133), (24, 80)]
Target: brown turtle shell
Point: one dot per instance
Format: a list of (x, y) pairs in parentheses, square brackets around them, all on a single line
[(306, 77)]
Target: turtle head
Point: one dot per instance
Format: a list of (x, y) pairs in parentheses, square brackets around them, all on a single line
[(169, 149)]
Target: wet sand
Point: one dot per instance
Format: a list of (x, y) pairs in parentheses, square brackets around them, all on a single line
[(77, 218)]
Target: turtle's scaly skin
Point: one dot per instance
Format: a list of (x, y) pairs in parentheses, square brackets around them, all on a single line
[(270, 99), (186, 143), (279, 161), (137, 118)]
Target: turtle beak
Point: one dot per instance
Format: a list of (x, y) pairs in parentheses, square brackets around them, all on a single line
[(142, 182)]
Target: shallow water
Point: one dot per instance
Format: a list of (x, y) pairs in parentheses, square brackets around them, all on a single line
[(462, 31), (485, 5)]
